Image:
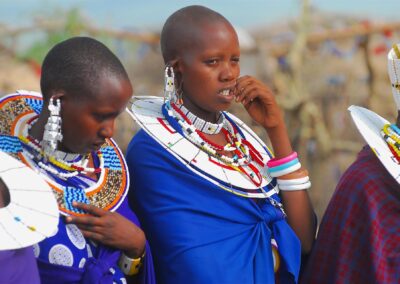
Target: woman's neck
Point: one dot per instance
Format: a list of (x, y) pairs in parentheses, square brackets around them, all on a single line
[(201, 113), (37, 128)]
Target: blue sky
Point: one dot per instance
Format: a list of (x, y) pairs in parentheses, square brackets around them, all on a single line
[(152, 13)]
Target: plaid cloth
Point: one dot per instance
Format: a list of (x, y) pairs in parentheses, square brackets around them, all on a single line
[(359, 237)]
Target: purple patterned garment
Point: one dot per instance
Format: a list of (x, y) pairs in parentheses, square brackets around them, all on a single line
[(359, 237), (99, 267)]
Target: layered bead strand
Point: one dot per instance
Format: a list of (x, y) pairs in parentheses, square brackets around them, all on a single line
[(244, 154), (56, 165), (391, 134)]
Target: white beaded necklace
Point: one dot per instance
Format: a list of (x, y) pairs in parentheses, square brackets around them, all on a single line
[(202, 125), (74, 164), (190, 133)]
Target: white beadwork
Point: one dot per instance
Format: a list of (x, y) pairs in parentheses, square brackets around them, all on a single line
[(49, 164), (191, 134), (202, 125), (394, 75), (52, 130), (169, 84)]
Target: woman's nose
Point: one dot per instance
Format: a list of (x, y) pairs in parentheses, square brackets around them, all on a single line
[(107, 129), (228, 72)]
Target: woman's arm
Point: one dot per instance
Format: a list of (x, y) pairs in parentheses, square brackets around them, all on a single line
[(260, 103)]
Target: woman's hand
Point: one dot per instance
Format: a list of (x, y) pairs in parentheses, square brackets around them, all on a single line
[(109, 228), (259, 101)]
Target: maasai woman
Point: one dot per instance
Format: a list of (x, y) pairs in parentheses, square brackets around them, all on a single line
[(204, 185), (66, 137)]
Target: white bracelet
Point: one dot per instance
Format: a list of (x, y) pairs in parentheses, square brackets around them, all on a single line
[(130, 266), (293, 181), (295, 187), (286, 171)]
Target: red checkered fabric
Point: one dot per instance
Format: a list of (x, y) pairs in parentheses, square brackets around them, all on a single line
[(359, 236)]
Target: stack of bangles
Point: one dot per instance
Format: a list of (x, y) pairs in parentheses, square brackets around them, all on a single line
[(290, 176)]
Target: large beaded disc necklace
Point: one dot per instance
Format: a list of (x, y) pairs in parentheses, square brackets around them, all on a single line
[(99, 178), (245, 158)]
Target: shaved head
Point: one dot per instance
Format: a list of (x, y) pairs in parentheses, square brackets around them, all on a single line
[(76, 66), (182, 28)]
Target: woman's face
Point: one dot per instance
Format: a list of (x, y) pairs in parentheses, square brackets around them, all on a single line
[(86, 123), (209, 69)]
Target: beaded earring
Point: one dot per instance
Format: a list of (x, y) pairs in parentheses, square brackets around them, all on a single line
[(169, 83), (394, 68), (52, 130), (179, 95)]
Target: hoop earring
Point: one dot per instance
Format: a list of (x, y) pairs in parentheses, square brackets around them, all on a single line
[(52, 130), (169, 83)]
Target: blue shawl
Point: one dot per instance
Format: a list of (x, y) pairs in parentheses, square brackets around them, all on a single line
[(200, 233)]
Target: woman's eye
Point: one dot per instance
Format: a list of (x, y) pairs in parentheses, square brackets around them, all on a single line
[(211, 61), (236, 59), (102, 117), (99, 117)]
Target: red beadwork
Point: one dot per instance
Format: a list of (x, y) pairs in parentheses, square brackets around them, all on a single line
[(79, 169), (231, 138), (394, 152)]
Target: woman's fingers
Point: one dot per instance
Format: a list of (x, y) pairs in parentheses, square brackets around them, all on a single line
[(93, 235), (91, 209), (248, 94)]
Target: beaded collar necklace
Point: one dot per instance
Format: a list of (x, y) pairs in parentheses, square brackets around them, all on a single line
[(202, 125), (107, 191), (63, 165), (246, 159), (163, 124)]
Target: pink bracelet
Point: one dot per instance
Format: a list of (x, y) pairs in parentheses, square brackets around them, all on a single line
[(277, 162)]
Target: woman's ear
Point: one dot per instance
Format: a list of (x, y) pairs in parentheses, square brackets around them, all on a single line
[(175, 64), (57, 94)]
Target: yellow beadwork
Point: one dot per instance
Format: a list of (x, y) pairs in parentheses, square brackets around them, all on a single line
[(61, 165), (391, 133), (392, 136), (23, 139)]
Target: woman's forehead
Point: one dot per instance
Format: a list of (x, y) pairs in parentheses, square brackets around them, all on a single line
[(209, 36)]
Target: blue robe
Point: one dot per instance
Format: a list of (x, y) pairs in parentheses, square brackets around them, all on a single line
[(200, 233)]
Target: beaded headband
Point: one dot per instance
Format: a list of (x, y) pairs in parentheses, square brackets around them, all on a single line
[(394, 72)]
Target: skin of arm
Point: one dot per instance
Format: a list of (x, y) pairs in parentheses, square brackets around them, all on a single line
[(259, 101), (110, 228)]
